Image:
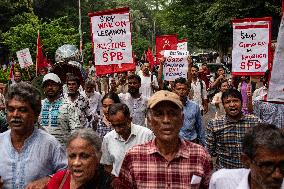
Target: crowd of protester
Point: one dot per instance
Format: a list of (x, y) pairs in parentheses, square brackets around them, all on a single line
[(135, 130)]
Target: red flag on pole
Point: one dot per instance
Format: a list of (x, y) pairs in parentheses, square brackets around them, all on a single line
[(11, 74), (150, 57), (165, 42), (41, 61)]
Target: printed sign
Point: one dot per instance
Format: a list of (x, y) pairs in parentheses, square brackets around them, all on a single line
[(24, 58), (176, 64), (182, 45), (111, 36), (251, 46)]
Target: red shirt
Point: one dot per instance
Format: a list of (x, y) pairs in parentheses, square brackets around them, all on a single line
[(144, 167), (57, 178)]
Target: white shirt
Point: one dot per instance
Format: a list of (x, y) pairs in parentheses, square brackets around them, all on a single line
[(94, 102), (197, 97), (231, 179), (146, 88), (259, 94), (114, 147), (137, 107)]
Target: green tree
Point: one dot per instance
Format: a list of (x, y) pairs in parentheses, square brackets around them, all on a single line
[(53, 34), (207, 23)]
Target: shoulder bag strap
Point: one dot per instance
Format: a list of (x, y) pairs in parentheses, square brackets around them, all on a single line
[(64, 179)]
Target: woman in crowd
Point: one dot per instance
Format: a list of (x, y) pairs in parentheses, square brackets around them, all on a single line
[(84, 171), (217, 101), (104, 126), (243, 87)]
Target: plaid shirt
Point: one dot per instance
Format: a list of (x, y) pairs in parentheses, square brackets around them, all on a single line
[(224, 139), (144, 167)]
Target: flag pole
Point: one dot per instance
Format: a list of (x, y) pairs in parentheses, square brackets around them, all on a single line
[(37, 50)]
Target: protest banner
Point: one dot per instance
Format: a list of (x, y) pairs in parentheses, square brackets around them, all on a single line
[(111, 36), (165, 42), (175, 65), (276, 84), (24, 58), (182, 44), (251, 46)]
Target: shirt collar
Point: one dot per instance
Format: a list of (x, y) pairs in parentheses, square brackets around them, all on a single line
[(229, 120), (133, 133), (183, 151)]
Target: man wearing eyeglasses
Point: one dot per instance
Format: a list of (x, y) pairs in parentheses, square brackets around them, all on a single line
[(263, 156), (123, 137)]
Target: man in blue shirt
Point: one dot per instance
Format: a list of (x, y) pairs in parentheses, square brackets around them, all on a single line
[(192, 129), (28, 155)]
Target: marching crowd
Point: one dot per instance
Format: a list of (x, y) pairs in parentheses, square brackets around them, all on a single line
[(135, 130)]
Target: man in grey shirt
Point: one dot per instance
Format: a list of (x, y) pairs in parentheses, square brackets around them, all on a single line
[(28, 154)]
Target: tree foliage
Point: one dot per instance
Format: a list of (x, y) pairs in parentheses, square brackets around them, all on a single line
[(53, 34), (207, 23)]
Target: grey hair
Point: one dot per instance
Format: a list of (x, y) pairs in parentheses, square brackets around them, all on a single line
[(262, 136), (89, 135), (119, 107), (25, 92)]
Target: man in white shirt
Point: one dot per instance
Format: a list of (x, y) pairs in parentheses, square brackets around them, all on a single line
[(149, 82), (124, 136), (199, 89), (94, 99), (135, 101), (263, 155), (78, 100)]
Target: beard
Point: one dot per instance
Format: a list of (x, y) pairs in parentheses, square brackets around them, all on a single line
[(52, 94), (133, 90)]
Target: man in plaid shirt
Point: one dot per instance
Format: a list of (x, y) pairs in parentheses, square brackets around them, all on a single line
[(224, 134), (167, 161)]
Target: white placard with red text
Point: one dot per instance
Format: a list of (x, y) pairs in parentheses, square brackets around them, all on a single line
[(24, 58), (111, 36), (182, 45), (251, 46), (176, 64)]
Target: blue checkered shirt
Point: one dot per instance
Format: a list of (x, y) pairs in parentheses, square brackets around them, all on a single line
[(224, 139)]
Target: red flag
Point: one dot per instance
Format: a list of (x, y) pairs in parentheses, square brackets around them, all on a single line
[(282, 6), (11, 74), (41, 61), (165, 42), (150, 57)]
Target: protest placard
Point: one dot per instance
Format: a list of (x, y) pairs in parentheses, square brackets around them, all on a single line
[(111, 36), (251, 46), (175, 65), (182, 44), (24, 58), (276, 84)]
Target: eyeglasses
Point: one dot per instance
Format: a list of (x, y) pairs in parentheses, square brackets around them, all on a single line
[(269, 167)]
